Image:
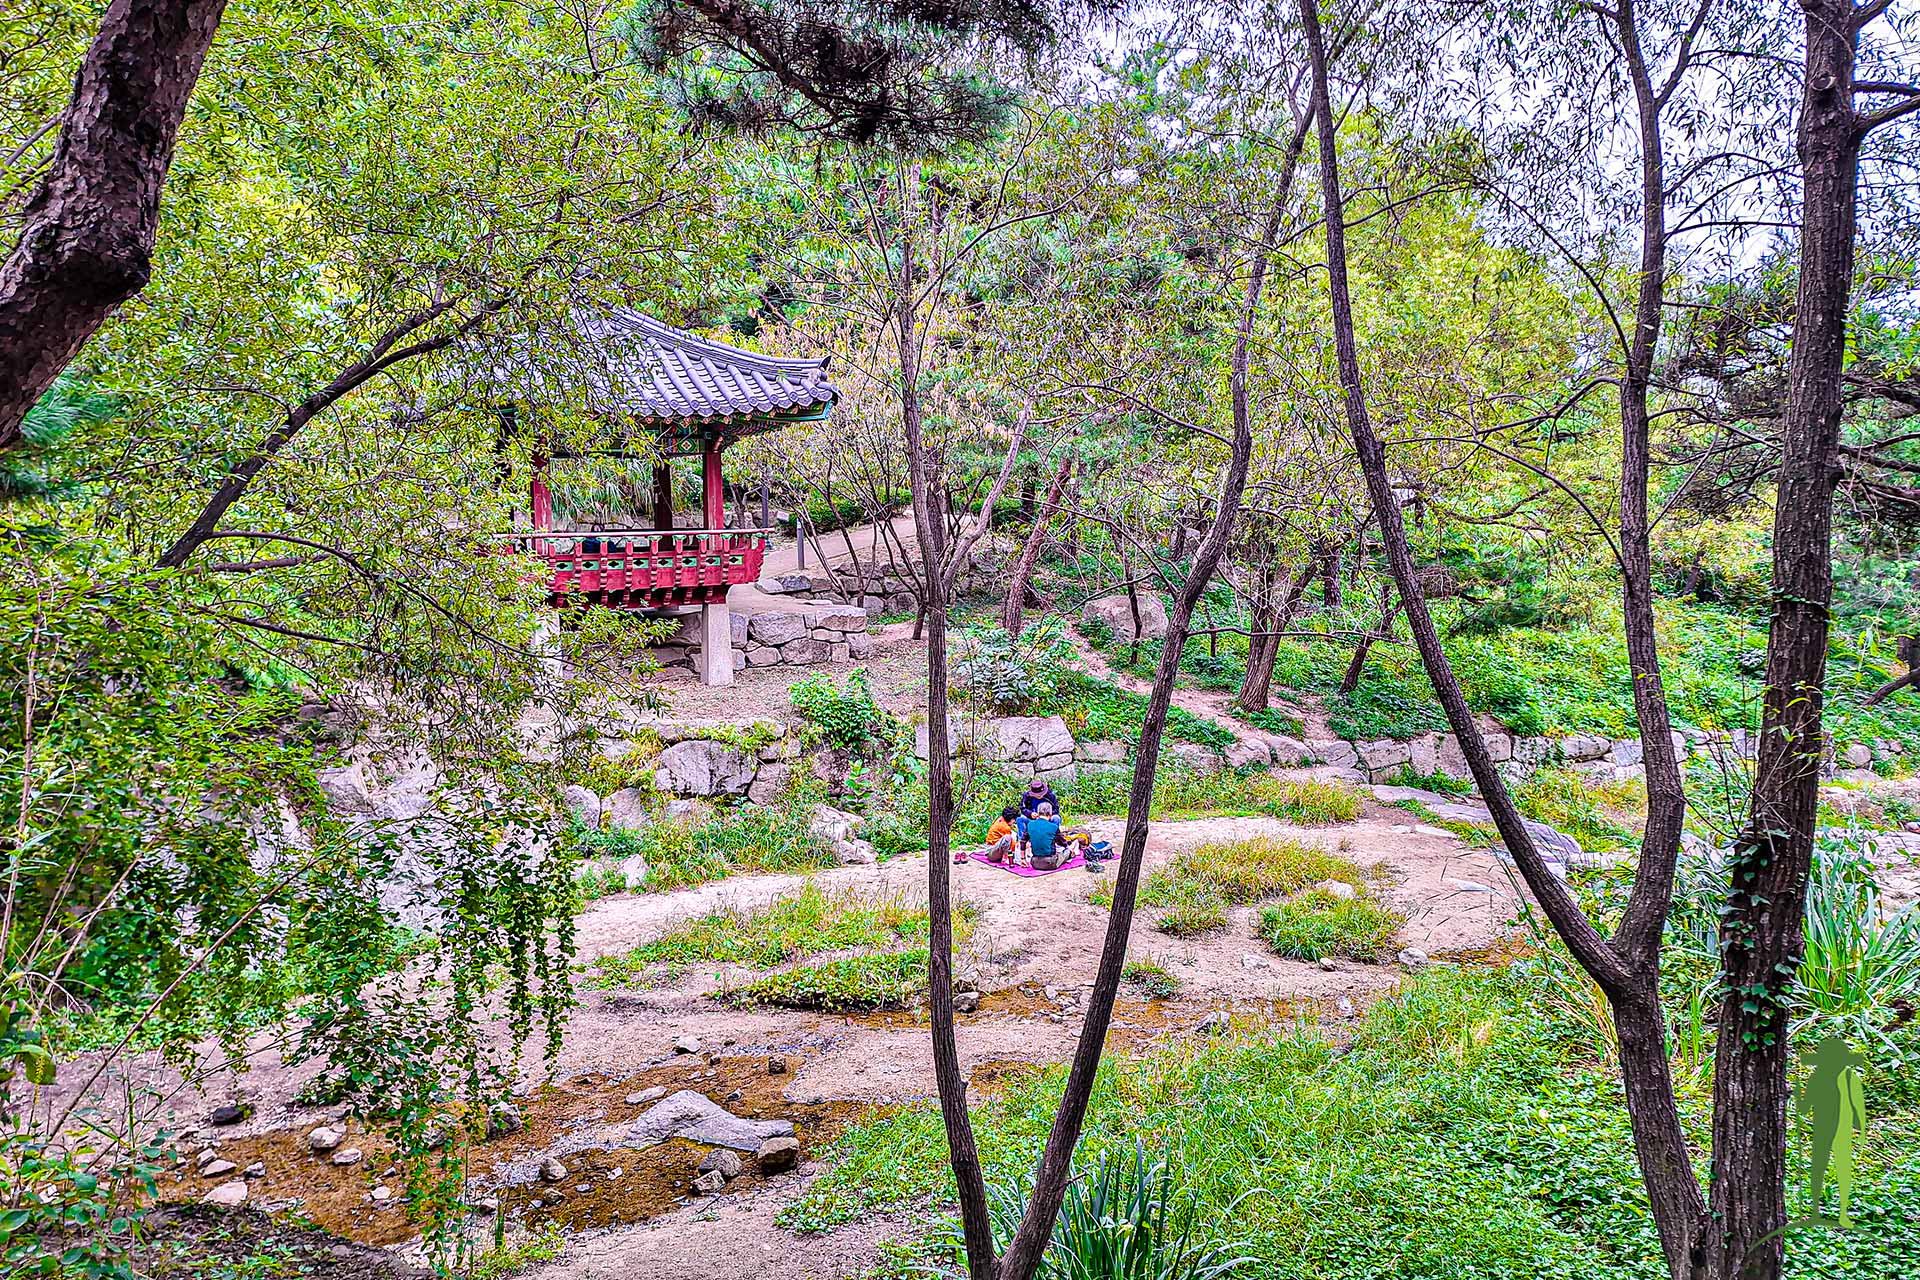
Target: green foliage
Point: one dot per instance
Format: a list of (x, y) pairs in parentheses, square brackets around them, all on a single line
[(1378, 709), (1443, 783), (886, 980), (803, 923), (1317, 924), (1125, 1219), (847, 716), (1007, 676), (59, 1217), (541, 1245), (739, 838), (1099, 711), (1274, 721), (1573, 803)]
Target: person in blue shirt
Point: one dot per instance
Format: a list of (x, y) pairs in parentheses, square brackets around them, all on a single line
[(1045, 852)]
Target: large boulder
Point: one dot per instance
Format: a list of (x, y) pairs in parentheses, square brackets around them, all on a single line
[(1192, 757), (859, 646), (697, 1118), (628, 809), (1246, 752), (1028, 739), (703, 767), (805, 652), (1584, 746), (922, 738), (771, 782), (583, 802), (1108, 752), (838, 617), (1116, 614), (397, 790), (776, 628), (1383, 755)]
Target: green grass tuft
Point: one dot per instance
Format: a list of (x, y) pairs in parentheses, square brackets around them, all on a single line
[(888, 980), (1150, 979), (1316, 925), (1200, 885)]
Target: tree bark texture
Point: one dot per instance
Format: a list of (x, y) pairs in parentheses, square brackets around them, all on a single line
[(1760, 933), (86, 240)]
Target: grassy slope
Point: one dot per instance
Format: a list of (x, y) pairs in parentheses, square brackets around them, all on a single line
[(1469, 1132)]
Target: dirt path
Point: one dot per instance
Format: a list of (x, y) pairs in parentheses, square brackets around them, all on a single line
[(1035, 946)]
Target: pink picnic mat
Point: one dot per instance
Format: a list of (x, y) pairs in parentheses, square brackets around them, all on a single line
[(1077, 860)]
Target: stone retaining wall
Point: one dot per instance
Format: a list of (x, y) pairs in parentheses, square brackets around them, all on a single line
[(810, 636)]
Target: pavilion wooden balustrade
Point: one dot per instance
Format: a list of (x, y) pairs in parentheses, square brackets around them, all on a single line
[(648, 568)]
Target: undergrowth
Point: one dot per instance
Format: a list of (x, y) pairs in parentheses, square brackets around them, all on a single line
[(1315, 925)]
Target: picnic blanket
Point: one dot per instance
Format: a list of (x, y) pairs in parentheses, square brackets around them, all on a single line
[(1077, 860)]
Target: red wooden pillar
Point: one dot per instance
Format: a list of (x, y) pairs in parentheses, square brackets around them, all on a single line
[(713, 490), (540, 495)]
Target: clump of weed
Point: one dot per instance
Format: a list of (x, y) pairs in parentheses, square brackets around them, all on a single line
[(1199, 886), (806, 922), (742, 838), (1582, 806), (1150, 979), (887, 980), (1317, 924)]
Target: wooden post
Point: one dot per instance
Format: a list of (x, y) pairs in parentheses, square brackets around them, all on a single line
[(540, 496), (713, 491), (663, 496)]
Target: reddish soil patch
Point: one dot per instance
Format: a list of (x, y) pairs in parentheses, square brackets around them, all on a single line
[(649, 1182)]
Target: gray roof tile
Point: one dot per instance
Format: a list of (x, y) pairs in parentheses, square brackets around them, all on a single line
[(668, 374)]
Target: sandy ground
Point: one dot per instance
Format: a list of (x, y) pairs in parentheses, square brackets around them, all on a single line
[(1035, 946)]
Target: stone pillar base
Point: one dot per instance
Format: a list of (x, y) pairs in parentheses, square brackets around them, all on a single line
[(716, 644)]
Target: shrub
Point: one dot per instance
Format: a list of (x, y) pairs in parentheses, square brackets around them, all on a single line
[(845, 717), (1007, 675), (1379, 709), (887, 980), (1317, 924), (1097, 710), (1444, 784)]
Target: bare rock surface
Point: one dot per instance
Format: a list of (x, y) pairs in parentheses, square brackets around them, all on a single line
[(698, 1118)]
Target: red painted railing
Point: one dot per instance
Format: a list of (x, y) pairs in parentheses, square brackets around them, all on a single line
[(648, 568)]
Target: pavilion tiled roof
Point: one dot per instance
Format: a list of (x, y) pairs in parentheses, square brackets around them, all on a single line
[(668, 374)]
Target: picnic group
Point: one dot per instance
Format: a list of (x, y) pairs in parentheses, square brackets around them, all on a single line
[(1031, 836)]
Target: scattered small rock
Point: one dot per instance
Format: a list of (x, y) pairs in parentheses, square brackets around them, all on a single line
[(728, 1040), (1339, 889), (487, 1204), (1412, 957), (325, 1139), (1215, 1024), (613, 1174), (966, 1001), (735, 1096), (583, 1187), (1345, 1008), (966, 980), (776, 1066), (504, 1118), (382, 1194), (227, 1193), (551, 1170), (710, 1182), (1469, 886), (350, 1155), (724, 1162), (686, 1044), (258, 1169), (1327, 965), (713, 1060), (217, 1168), (230, 1113), (1250, 961), (777, 1155), (645, 1096), (206, 1157)]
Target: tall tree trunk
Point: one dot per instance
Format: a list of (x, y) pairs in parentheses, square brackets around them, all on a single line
[(1030, 550), (86, 237), (931, 528), (1760, 932), (1256, 691), (1632, 991)]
